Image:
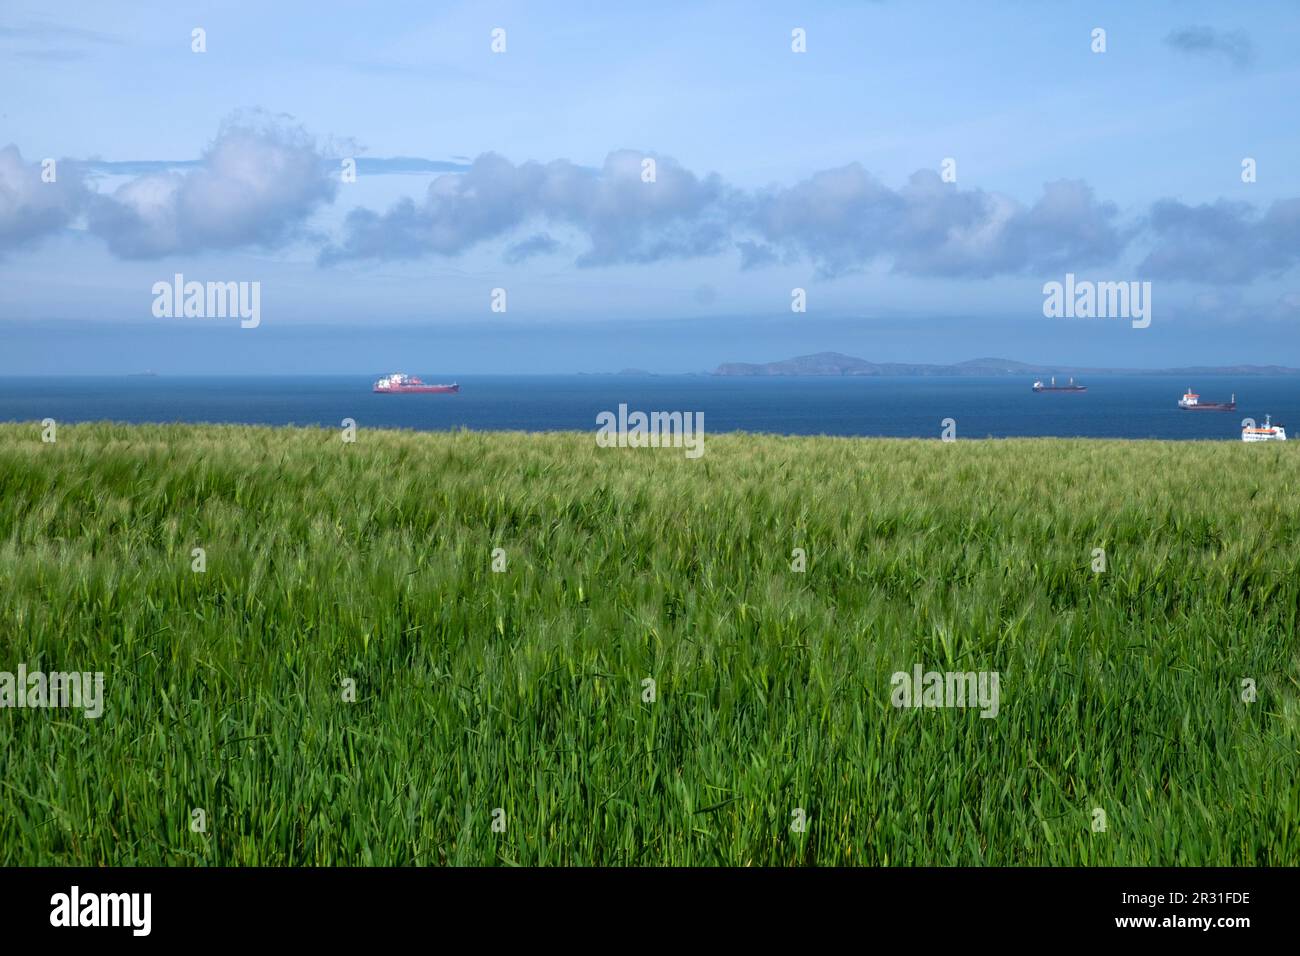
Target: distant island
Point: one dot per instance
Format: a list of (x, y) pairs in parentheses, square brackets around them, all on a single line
[(836, 363)]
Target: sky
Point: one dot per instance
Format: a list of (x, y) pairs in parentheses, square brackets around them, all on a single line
[(570, 187)]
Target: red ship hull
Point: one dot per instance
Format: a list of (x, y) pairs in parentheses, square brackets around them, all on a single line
[(435, 389)]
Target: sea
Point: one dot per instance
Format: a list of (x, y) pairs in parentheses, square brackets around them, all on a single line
[(1115, 406)]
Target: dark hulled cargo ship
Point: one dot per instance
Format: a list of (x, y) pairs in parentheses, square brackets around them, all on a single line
[(1193, 402)]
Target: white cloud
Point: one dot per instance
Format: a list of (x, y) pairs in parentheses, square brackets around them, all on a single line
[(30, 207), (257, 185)]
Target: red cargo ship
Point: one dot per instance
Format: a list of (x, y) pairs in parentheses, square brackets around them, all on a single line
[(401, 382)]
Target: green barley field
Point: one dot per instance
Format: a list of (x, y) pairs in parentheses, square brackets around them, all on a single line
[(503, 716)]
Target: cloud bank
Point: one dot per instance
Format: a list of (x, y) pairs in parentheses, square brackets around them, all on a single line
[(841, 220), (844, 219), (261, 181), (624, 218), (1225, 242)]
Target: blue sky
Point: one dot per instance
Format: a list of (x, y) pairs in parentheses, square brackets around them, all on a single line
[(775, 170)]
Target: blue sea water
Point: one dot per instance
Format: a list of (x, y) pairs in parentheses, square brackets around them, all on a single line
[(1119, 406)]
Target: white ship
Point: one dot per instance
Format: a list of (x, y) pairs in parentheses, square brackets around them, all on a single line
[(1266, 432)]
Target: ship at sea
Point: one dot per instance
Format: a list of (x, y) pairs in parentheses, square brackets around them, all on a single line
[(401, 382), (1053, 387), (1266, 432), (1193, 402)]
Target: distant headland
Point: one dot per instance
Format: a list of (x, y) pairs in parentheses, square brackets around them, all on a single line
[(836, 363)]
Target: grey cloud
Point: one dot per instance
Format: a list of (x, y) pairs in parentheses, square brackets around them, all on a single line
[(755, 255), (1224, 242), (31, 208), (1234, 45), (839, 219), (256, 184), (624, 219), (1065, 228), (540, 244), (844, 219)]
